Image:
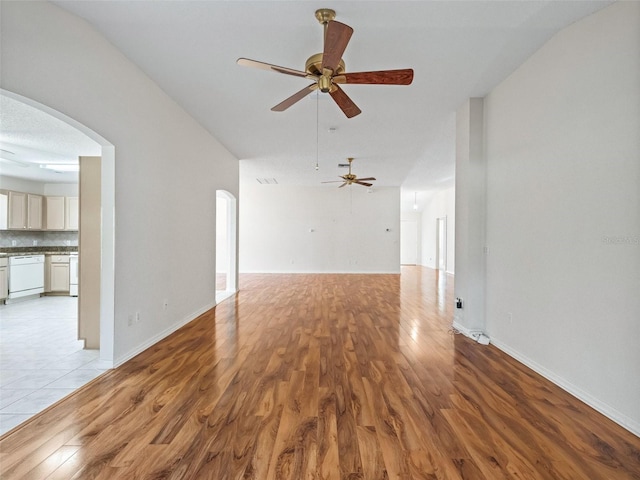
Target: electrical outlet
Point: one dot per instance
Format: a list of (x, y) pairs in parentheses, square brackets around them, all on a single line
[(35, 242), (14, 243), (137, 317)]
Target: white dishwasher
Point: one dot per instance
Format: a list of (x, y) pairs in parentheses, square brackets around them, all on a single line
[(26, 275)]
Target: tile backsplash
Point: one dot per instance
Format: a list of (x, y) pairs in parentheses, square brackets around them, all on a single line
[(42, 239)]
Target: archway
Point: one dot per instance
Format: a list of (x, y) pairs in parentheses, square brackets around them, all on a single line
[(107, 228)]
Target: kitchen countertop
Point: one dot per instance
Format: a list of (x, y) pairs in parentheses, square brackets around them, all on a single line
[(14, 251)]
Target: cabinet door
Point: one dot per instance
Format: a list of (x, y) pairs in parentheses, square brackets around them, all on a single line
[(55, 213), (4, 210), (71, 213), (59, 277), (4, 286), (34, 215), (17, 210)]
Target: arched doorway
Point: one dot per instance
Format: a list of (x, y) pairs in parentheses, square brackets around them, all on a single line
[(226, 245), (107, 229)]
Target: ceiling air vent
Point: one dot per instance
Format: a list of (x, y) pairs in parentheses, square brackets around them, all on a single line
[(267, 181)]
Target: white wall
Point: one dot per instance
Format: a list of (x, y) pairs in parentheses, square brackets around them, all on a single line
[(439, 204), (470, 205), (349, 229), (167, 167), (411, 217), (563, 211), (40, 188), (61, 189), (21, 185)]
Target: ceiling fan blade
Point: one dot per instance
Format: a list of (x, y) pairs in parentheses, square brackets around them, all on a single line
[(246, 62), (365, 179), (345, 183), (296, 97), (334, 181), (384, 77), (349, 108), (364, 183), (335, 42)]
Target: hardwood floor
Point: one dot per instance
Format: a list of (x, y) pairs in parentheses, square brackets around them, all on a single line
[(322, 377)]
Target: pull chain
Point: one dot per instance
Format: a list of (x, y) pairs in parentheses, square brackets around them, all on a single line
[(317, 129)]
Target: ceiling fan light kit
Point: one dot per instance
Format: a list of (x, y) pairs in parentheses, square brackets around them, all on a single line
[(327, 69), (351, 178)]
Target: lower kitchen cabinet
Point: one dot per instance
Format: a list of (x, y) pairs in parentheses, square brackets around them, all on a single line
[(59, 277), (4, 283), (56, 274)]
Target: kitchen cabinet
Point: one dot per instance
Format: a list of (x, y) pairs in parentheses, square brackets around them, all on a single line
[(4, 283), (34, 212), (56, 277), (4, 207), (59, 277), (55, 213), (17, 211), (71, 215), (61, 213), (24, 211)]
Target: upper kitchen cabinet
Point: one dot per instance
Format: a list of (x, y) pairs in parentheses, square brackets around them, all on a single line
[(17, 210), (24, 211), (28, 211), (61, 213), (34, 212), (54, 208), (71, 216), (3, 211)]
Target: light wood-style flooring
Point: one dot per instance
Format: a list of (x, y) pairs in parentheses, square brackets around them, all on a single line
[(322, 377)]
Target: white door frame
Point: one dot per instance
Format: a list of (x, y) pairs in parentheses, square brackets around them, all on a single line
[(232, 236)]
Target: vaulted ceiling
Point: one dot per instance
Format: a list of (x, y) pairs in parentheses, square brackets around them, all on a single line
[(404, 135)]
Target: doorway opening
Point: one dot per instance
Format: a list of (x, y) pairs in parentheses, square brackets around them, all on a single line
[(106, 233), (226, 246)]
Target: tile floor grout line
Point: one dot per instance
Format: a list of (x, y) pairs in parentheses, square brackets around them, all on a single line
[(35, 334)]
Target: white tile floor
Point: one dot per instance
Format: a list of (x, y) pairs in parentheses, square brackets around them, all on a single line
[(40, 359)]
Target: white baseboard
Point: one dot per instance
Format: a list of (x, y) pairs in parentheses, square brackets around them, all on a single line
[(621, 419), (165, 333), (104, 364)]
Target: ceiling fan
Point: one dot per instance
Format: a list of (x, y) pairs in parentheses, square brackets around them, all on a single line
[(351, 178), (327, 69)]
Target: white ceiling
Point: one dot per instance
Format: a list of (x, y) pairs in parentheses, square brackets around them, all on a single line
[(405, 134)]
